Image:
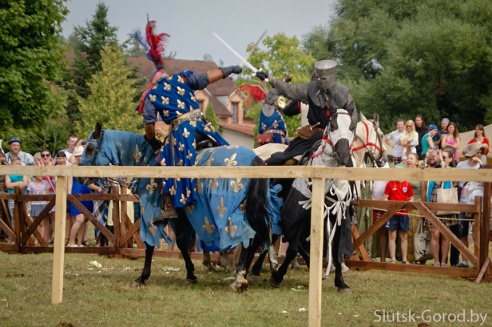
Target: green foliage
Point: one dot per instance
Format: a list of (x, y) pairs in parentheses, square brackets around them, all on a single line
[(212, 118), (30, 56), (283, 56), (87, 56), (432, 57), (112, 93)]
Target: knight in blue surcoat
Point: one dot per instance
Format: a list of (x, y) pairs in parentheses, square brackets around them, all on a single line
[(172, 99)]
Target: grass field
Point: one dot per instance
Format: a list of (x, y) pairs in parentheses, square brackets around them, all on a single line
[(103, 297)]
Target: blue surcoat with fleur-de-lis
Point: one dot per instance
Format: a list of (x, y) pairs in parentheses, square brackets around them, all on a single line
[(218, 215), (173, 97)]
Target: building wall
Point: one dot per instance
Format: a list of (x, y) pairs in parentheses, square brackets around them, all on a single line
[(236, 138)]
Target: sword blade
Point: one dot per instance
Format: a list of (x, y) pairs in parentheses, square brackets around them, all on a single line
[(243, 60)]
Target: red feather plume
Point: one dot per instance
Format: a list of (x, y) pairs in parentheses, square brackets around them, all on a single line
[(255, 91), (156, 43)]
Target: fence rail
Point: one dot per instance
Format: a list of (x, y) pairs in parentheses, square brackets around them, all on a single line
[(317, 174)]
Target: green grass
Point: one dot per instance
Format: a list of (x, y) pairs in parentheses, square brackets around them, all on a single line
[(103, 297)]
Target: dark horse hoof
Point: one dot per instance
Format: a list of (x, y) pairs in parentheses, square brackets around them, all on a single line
[(275, 280), (345, 290), (191, 279), (138, 282), (254, 279)]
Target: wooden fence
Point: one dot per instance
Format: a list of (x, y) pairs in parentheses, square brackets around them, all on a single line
[(124, 230)]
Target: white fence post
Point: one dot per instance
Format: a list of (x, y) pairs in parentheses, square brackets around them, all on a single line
[(316, 251)]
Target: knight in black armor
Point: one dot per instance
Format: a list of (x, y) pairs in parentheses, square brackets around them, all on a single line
[(323, 95)]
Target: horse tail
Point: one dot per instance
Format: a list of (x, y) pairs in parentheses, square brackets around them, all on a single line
[(257, 204)]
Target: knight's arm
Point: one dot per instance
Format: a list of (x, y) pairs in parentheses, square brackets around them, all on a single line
[(149, 118), (292, 108), (295, 92), (199, 81)]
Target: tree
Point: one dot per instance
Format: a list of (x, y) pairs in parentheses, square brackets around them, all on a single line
[(112, 93), (432, 57), (87, 56), (30, 59), (212, 118), (283, 56)]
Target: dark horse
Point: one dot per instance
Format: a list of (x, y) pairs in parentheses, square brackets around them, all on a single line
[(367, 147), (334, 151), (228, 212)]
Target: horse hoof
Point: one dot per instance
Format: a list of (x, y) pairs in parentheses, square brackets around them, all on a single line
[(239, 287), (254, 279), (345, 291), (136, 284), (275, 282), (192, 280)]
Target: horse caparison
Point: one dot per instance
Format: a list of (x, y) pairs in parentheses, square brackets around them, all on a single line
[(105, 147)]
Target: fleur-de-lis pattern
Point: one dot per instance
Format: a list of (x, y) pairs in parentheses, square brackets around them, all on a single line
[(137, 155), (230, 228), (272, 121), (237, 185), (208, 227), (229, 162), (221, 209), (151, 186)]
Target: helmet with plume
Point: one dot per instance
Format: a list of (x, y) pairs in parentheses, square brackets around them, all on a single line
[(154, 43)]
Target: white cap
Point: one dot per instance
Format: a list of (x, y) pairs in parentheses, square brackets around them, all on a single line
[(78, 150)]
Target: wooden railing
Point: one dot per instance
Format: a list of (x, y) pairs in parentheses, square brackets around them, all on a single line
[(318, 176)]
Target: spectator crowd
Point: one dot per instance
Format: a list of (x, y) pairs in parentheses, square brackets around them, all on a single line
[(416, 145)]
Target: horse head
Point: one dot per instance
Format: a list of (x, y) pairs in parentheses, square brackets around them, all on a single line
[(112, 148), (368, 142), (339, 136)]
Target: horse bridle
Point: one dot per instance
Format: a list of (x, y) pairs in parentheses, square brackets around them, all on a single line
[(332, 122), (375, 161)]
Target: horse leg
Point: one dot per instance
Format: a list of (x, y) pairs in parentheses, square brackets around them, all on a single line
[(149, 251), (225, 262), (206, 261), (245, 258), (277, 277), (184, 240), (255, 271), (304, 254), (339, 282)]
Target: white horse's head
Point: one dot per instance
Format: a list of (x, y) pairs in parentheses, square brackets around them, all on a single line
[(368, 143), (339, 136)]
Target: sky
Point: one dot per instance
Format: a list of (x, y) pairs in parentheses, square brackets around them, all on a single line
[(191, 23)]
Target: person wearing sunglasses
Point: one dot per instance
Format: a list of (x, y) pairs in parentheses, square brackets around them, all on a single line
[(409, 140)]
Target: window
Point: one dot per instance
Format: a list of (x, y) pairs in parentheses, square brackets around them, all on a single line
[(234, 108)]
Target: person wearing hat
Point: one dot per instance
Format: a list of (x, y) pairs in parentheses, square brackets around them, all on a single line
[(15, 152), (479, 137), (427, 140), (468, 192), (443, 130)]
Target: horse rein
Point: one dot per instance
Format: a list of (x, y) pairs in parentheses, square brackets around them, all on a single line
[(377, 162)]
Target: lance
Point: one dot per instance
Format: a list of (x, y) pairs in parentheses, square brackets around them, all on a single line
[(243, 60)]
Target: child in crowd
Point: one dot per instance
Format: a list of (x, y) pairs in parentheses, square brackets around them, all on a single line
[(398, 191), (11, 181), (39, 186)]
